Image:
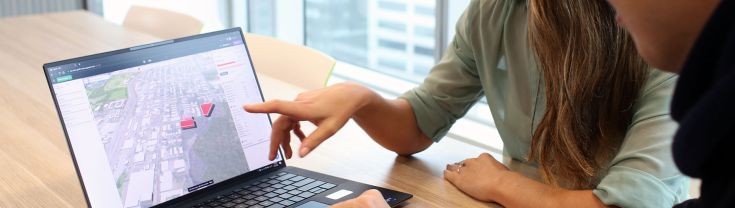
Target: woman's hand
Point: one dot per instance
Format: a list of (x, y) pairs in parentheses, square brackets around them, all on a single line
[(486, 179), (328, 108), (369, 199), (476, 177)]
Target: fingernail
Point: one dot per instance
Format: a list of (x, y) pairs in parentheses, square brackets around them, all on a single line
[(303, 151)]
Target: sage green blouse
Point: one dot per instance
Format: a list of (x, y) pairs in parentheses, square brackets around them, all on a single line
[(490, 56)]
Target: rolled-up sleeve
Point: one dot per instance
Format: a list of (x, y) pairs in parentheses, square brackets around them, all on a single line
[(451, 88), (643, 173)]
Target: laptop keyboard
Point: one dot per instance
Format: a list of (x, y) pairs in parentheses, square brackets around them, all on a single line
[(280, 190)]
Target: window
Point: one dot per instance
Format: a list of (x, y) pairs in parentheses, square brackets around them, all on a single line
[(391, 64), (397, 6), (213, 14), (397, 26), (342, 33), (423, 31), (425, 10), (262, 17), (388, 45), (423, 51), (372, 33)]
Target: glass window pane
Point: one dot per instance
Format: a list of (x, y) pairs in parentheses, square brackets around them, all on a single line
[(391, 45), (209, 13), (392, 5), (262, 17), (423, 31), (391, 64), (397, 26), (424, 51), (395, 37), (338, 28), (425, 10)]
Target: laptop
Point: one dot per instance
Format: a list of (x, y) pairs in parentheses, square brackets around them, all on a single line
[(161, 125)]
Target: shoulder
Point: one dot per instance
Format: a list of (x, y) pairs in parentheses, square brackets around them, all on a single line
[(492, 15), (658, 79), (488, 24)]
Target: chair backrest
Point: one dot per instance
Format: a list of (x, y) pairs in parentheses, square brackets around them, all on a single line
[(295, 64), (161, 23)]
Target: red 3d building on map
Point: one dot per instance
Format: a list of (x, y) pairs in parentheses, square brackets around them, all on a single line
[(188, 123), (207, 108)]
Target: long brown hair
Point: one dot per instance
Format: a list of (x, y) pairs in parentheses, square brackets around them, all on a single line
[(592, 77)]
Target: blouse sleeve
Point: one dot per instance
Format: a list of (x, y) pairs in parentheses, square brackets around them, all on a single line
[(643, 173), (452, 86)]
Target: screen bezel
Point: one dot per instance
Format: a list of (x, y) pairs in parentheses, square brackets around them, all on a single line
[(276, 165)]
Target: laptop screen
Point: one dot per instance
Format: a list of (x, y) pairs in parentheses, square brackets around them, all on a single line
[(155, 122)]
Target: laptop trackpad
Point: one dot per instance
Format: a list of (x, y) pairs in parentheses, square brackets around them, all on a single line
[(312, 204)]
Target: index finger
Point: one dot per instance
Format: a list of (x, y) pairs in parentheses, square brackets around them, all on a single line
[(288, 108)]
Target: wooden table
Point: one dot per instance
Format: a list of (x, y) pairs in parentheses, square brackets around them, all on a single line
[(37, 170)]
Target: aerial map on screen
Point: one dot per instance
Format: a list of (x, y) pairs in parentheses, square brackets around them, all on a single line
[(166, 128)]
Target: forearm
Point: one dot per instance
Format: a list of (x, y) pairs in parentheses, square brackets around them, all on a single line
[(516, 190), (392, 124)]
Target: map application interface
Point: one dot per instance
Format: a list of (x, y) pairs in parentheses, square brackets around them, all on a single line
[(153, 124)]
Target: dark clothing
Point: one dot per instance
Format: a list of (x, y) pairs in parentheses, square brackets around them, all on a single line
[(704, 106)]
